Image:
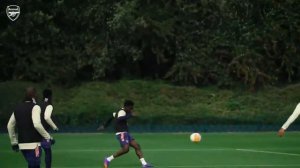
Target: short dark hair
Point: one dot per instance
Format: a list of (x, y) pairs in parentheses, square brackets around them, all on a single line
[(30, 93), (47, 93), (128, 103)]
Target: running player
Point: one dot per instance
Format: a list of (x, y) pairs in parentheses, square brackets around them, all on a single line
[(123, 136)]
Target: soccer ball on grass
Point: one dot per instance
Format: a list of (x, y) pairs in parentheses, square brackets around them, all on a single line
[(195, 137)]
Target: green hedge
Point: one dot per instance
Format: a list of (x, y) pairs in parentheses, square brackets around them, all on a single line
[(159, 103)]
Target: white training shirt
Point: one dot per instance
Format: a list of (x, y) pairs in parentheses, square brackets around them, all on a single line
[(36, 119), (47, 117), (292, 118)]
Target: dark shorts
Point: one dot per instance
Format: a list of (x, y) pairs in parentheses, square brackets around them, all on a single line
[(124, 138)]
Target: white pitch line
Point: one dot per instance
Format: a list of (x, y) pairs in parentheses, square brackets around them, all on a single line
[(208, 166), (268, 152), (196, 166)]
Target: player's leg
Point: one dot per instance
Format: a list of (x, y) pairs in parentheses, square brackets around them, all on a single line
[(26, 154), (46, 145), (122, 151), (139, 152), (137, 148), (33, 157), (37, 157), (48, 157), (124, 142)]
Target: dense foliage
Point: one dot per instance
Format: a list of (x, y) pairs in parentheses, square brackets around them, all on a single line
[(221, 42)]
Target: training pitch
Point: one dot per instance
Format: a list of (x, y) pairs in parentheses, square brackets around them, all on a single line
[(169, 150)]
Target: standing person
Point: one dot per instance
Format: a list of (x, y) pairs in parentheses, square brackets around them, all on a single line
[(290, 120), (123, 136), (46, 112), (30, 131)]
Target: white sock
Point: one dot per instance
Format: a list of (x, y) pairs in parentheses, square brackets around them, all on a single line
[(143, 161), (110, 158)]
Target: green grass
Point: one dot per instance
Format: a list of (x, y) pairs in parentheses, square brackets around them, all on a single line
[(216, 150)]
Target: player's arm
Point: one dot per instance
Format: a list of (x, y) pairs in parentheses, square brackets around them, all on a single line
[(106, 124), (11, 125), (290, 120), (36, 119), (47, 116)]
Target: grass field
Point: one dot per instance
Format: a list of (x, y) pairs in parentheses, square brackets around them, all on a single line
[(170, 150)]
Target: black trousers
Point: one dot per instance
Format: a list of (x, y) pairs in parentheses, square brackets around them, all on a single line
[(33, 157)]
